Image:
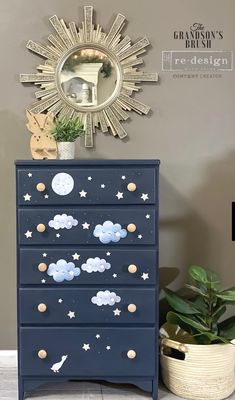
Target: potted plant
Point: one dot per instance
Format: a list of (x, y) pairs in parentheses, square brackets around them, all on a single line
[(66, 130), (201, 364)]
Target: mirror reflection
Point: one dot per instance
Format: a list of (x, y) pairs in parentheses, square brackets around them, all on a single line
[(88, 78)]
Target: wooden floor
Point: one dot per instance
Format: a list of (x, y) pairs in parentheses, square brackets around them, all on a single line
[(70, 390)]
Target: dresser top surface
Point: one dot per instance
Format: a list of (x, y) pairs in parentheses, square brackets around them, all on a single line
[(85, 162)]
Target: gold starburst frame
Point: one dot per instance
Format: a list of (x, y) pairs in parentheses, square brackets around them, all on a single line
[(120, 50)]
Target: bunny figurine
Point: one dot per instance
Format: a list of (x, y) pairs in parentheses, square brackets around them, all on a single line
[(42, 144)]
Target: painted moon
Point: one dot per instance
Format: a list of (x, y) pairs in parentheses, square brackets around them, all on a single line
[(62, 184)]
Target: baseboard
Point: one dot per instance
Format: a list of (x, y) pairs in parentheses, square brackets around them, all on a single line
[(8, 358)]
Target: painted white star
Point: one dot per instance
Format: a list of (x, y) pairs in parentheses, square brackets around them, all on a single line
[(117, 312), (145, 196), (119, 195), (46, 196), (58, 235), (115, 275), (30, 175), (108, 347), (83, 193), (140, 236), (76, 256), (28, 234), (123, 177), (108, 253), (86, 347), (89, 178), (102, 186), (145, 276), (85, 225), (60, 301), (43, 280), (44, 254), (147, 216), (27, 197), (98, 336), (71, 314)]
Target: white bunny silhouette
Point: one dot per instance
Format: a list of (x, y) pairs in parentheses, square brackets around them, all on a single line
[(56, 367)]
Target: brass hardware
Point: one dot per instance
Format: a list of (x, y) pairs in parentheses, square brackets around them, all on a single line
[(42, 267), (132, 268), (131, 228), (41, 187), (131, 187), (41, 228), (131, 354), (132, 308), (42, 307), (42, 354)]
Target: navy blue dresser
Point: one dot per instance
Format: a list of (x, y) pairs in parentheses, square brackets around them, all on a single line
[(87, 264)]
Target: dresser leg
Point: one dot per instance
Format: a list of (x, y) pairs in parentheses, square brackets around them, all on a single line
[(155, 390), (21, 389)]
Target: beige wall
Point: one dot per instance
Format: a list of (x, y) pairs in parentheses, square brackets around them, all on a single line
[(191, 129)]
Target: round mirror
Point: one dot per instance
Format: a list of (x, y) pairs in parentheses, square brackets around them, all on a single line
[(88, 78)]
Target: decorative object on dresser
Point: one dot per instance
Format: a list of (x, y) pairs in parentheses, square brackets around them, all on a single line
[(206, 345), (42, 143), (65, 131), (87, 236), (90, 74)]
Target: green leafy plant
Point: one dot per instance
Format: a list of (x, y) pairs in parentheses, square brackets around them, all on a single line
[(67, 129), (201, 315)]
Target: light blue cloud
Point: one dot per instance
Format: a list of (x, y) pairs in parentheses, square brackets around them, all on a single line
[(109, 232), (63, 271), (62, 221), (105, 298), (95, 265)]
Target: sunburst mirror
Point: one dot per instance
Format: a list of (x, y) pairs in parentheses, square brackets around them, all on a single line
[(90, 74)]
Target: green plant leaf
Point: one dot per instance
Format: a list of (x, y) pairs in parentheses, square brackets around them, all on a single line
[(67, 129), (218, 313), (227, 328), (198, 274), (227, 295), (185, 322), (178, 304), (208, 338), (197, 290)]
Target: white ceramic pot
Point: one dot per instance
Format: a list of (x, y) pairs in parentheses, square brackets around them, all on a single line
[(66, 150)]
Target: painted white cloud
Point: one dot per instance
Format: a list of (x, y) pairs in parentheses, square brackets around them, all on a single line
[(109, 232), (62, 221), (105, 298), (63, 271), (95, 265)]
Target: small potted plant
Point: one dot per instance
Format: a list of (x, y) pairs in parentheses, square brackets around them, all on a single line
[(197, 350), (66, 130)]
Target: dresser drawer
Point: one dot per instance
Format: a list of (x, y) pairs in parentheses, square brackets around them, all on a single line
[(89, 226), (87, 305), (79, 266), (86, 185), (88, 352)]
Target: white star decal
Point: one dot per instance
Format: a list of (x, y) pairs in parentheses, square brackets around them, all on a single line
[(76, 256), (102, 186), (140, 236), (89, 178), (115, 275), (117, 312), (28, 234), (108, 253), (83, 193), (98, 336), (86, 347), (30, 175), (85, 225), (108, 347), (58, 235), (46, 196), (71, 314), (43, 281), (147, 216), (145, 276), (60, 301), (119, 195), (27, 197), (144, 196), (44, 254), (123, 177)]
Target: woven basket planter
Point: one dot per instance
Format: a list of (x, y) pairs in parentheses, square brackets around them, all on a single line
[(66, 150), (206, 373)]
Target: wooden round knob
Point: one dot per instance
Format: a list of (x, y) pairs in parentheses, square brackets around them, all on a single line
[(132, 268), (42, 354), (42, 307), (131, 354), (131, 187), (42, 267), (41, 187), (131, 228), (132, 308), (41, 228)]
